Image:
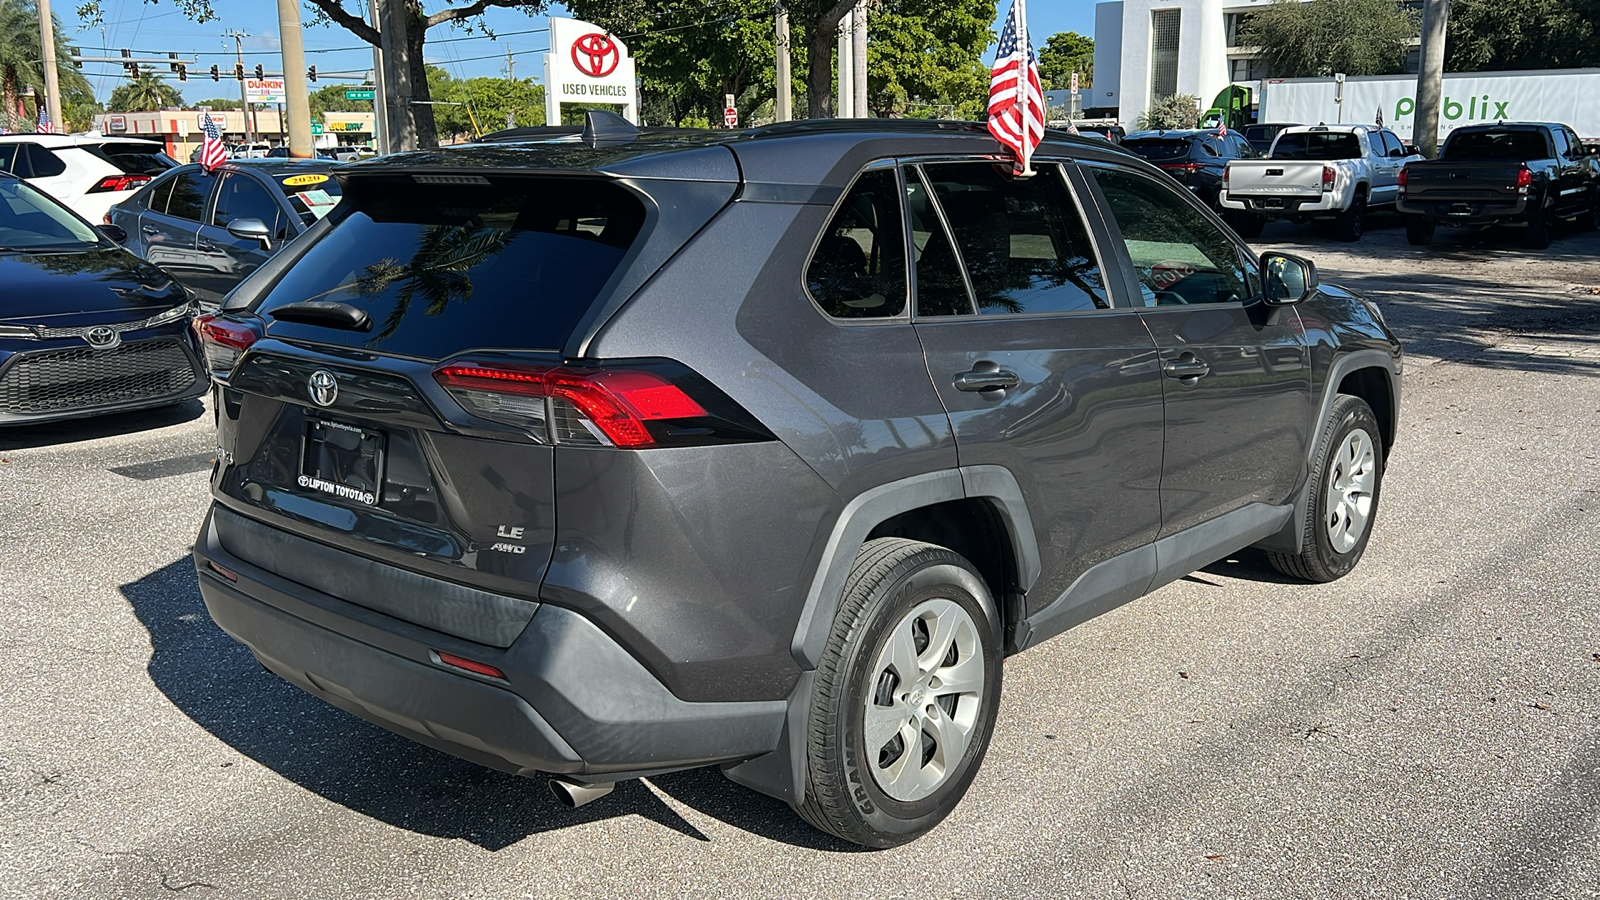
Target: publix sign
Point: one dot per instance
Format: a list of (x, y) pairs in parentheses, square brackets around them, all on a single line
[(1556, 95)]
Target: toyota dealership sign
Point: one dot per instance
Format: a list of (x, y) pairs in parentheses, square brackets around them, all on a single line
[(589, 66)]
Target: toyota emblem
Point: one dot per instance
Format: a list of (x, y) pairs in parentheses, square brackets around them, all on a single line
[(596, 55), (323, 387), (102, 337)]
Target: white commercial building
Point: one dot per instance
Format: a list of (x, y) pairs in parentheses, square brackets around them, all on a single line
[(1145, 49)]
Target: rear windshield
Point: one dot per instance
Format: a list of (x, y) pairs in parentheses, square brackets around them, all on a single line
[(1316, 145), (134, 158), (1509, 145), (312, 194), (442, 268), (1158, 148)]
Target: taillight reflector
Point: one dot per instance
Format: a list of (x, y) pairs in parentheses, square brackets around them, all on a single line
[(223, 341), (617, 401), (470, 665), (118, 183), (224, 572)]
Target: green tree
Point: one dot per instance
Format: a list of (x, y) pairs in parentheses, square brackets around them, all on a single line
[(144, 93), (1522, 34), (482, 105), (1356, 37), (79, 108), (218, 103), (407, 21), (927, 55), (21, 65), (1064, 53), (1176, 111)]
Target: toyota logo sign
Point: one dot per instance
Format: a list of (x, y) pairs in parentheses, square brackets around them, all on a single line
[(102, 337), (595, 55), (323, 387)]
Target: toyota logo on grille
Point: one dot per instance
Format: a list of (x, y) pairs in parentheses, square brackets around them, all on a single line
[(102, 337), (324, 388)]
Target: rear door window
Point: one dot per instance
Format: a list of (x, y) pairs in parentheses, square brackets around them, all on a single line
[(514, 262), (1025, 247), (188, 197)]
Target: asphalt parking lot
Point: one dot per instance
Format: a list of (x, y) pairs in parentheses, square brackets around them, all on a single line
[(1426, 727)]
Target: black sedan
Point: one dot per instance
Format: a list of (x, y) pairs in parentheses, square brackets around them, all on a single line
[(211, 229), (85, 326), (1195, 158)]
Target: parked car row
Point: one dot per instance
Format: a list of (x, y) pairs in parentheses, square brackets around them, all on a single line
[(1529, 174)]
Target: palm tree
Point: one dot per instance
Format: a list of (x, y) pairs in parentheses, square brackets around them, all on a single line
[(145, 92), (20, 67)]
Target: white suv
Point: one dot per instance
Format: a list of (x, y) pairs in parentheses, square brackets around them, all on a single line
[(88, 172)]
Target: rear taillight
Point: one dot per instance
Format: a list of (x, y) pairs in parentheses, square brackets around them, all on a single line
[(1405, 177), (1327, 178), (1225, 170), (1183, 167), (628, 406), (223, 341), (1524, 180), (118, 183)]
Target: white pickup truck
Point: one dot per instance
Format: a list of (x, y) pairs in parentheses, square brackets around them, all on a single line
[(1330, 172)]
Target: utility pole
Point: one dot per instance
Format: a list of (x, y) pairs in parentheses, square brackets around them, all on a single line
[(858, 59), (784, 110), (52, 86), (298, 95), (1430, 77), (380, 98), (511, 67), (244, 98)]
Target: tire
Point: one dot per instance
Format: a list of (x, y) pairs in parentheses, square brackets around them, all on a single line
[(900, 599), (1419, 231), (1589, 219), (1537, 237), (1247, 225), (1347, 482), (1351, 223)]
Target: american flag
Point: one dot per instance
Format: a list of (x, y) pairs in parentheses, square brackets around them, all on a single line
[(44, 122), (1072, 127), (212, 151), (1380, 117), (1016, 98), (1222, 127)]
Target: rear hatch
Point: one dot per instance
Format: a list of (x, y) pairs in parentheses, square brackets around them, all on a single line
[(391, 395)]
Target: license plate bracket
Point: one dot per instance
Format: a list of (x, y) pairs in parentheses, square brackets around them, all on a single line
[(343, 461)]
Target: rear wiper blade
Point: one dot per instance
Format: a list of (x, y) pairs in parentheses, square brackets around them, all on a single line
[(323, 312)]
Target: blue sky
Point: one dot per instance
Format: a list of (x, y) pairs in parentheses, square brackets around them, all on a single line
[(156, 28)]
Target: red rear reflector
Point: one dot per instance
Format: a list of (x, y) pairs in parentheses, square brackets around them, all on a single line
[(118, 183), (461, 662), (225, 573), (617, 401)]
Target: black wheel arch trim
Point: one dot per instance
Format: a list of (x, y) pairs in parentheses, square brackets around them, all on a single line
[(1288, 540)]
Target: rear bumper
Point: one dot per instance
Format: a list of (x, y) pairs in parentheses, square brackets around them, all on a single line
[(572, 702), (1282, 205), (1467, 212)]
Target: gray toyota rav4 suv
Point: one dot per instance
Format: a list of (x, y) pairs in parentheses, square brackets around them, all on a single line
[(599, 455)]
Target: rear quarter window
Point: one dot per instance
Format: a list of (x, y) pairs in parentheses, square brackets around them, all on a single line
[(442, 268)]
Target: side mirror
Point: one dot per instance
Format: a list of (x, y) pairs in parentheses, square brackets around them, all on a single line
[(113, 232), (1288, 279), (251, 228)]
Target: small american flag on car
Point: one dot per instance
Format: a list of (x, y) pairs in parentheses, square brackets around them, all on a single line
[(212, 151), (1016, 98)]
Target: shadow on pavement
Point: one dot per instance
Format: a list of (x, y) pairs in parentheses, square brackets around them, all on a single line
[(72, 431), (217, 683)]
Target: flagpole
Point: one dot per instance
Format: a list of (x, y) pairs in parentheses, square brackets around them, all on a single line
[(1021, 11)]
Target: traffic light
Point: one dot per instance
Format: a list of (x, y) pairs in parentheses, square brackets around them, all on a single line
[(215, 75), (75, 53), (172, 66), (183, 72), (259, 73), (238, 71), (311, 73)]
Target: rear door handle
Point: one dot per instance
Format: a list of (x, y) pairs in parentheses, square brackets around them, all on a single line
[(1186, 366), (149, 229), (986, 379)]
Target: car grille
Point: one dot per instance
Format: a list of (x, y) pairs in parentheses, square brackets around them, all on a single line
[(55, 380)]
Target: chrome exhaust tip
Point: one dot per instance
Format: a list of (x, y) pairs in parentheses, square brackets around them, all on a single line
[(573, 794)]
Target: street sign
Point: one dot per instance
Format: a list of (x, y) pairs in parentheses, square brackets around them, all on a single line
[(1074, 82), (358, 95), (730, 117), (316, 127)]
